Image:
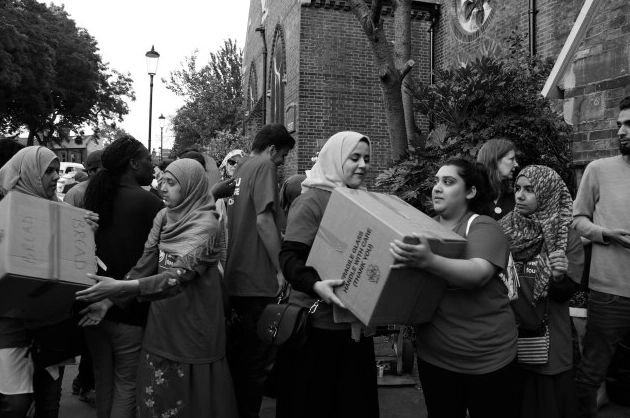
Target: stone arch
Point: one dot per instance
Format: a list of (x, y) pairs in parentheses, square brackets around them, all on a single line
[(277, 77)]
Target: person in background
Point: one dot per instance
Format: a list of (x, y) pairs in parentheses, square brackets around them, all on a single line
[(331, 374), (499, 157), (8, 148), (92, 165), (183, 370), (113, 333), (466, 354), (291, 190), (549, 259), (229, 163), (225, 188), (601, 215), (252, 274)]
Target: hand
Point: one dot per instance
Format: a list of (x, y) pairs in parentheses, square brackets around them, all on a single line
[(104, 287), (325, 291), (94, 314), (412, 255), (281, 280), (92, 219), (618, 236), (559, 264), (223, 189)]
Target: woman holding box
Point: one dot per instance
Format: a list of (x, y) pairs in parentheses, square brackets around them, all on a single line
[(330, 375), (466, 354), (183, 370), (549, 259)]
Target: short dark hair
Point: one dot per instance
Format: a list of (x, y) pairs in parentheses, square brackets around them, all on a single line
[(475, 174), (164, 163), (194, 155), (273, 134), (625, 103)]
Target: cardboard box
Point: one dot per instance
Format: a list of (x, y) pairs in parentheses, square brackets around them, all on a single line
[(46, 250), (352, 244)]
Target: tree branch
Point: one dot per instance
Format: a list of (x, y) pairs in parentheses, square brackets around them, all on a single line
[(375, 16), (408, 66)]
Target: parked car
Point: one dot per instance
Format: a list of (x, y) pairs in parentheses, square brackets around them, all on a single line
[(67, 167)]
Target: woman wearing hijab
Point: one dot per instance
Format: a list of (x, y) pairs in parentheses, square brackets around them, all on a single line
[(330, 375), (183, 371), (549, 258)]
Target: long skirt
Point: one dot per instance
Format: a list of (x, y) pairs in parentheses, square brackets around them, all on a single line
[(548, 396), (330, 376), (170, 389)]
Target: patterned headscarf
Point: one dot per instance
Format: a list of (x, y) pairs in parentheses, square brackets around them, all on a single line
[(24, 172), (327, 173), (546, 229), (189, 229)]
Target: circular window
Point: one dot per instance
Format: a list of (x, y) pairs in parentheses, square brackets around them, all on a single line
[(471, 17)]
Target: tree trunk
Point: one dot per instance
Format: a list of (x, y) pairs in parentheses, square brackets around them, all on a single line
[(389, 74), (31, 138), (402, 51)]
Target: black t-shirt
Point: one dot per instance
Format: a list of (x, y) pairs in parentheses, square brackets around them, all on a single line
[(120, 244)]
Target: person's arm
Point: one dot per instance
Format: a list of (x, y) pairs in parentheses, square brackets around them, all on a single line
[(269, 235), (565, 281), (293, 256)]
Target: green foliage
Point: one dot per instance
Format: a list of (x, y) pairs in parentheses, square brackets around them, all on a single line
[(487, 98), (52, 79), (213, 97)]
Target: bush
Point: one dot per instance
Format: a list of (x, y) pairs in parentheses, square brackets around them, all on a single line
[(489, 97)]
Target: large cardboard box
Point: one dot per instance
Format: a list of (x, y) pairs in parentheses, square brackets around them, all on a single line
[(352, 244), (46, 250)]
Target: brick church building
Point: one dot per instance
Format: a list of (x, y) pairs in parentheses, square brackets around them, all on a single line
[(308, 64)]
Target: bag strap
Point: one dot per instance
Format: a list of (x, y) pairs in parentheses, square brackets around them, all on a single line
[(470, 221)]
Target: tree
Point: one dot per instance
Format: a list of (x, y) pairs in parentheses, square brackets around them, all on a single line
[(52, 79), (392, 69), (213, 97), (487, 98)]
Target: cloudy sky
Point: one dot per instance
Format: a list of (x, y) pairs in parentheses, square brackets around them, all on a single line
[(126, 29)]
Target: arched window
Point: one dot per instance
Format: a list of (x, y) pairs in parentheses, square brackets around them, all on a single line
[(252, 89), (278, 78)]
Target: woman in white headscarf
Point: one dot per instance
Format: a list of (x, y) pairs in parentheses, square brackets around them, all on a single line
[(330, 375)]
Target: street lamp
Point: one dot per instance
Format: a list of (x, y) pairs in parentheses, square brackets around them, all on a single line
[(162, 120), (152, 63)]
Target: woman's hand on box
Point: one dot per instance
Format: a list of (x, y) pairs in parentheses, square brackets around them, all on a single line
[(92, 219), (104, 288), (325, 291), (412, 255), (94, 313)]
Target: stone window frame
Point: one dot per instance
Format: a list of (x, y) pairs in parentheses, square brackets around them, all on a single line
[(277, 77), (252, 88)]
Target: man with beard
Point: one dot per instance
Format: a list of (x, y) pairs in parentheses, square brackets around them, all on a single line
[(601, 215)]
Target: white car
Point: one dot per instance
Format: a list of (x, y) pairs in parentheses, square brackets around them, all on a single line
[(70, 167)]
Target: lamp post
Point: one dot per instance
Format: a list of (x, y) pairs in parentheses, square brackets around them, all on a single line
[(152, 63), (162, 122)]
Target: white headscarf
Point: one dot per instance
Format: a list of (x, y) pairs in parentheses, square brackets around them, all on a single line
[(327, 173), (25, 170), (230, 155)]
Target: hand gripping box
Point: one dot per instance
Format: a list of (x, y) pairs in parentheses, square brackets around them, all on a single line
[(46, 250), (352, 244)]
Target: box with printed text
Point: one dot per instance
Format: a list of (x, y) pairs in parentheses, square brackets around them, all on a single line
[(352, 244), (46, 250)]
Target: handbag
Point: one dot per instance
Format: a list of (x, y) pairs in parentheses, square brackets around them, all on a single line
[(534, 351), (284, 322)]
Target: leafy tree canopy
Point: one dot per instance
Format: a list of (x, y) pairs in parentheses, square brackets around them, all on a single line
[(487, 98), (213, 98), (52, 79)]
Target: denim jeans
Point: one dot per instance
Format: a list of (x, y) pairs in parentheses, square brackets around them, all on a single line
[(115, 349), (250, 359), (607, 323)]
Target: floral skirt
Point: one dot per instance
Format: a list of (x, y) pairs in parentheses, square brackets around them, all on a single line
[(170, 389)]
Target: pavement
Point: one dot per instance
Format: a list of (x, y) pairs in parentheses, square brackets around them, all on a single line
[(395, 402)]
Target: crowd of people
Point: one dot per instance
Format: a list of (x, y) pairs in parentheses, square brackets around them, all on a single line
[(191, 252)]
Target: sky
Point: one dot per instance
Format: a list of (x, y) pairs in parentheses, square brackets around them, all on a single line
[(126, 29)]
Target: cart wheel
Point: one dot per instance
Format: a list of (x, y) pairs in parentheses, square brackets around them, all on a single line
[(408, 356)]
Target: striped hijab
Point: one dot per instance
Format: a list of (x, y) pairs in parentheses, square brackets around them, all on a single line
[(544, 231)]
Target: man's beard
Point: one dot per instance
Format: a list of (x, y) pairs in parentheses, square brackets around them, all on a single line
[(624, 148)]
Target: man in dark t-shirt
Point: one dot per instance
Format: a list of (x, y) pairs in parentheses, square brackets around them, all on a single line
[(252, 274)]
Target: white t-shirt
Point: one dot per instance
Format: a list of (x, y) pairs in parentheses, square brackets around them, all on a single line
[(16, 369)]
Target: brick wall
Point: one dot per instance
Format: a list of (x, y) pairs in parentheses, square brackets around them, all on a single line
[(339, 85)]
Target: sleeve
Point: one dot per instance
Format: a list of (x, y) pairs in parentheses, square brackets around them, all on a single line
[(487, 241), (303, 221), (167, 283), (562, 290), (293, 256), (584, 206), (264, 187)]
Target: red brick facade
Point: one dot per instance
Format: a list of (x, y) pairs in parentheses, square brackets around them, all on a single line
[(331, 82)]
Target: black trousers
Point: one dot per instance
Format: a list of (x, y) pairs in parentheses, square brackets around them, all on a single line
[(329, 376), (449, 394), (249, 358)]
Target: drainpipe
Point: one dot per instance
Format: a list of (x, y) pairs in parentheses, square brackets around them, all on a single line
[(431, 48), (532, 27), (261, 29)]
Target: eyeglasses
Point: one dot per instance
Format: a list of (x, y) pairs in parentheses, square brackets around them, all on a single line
[(231, 162)]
